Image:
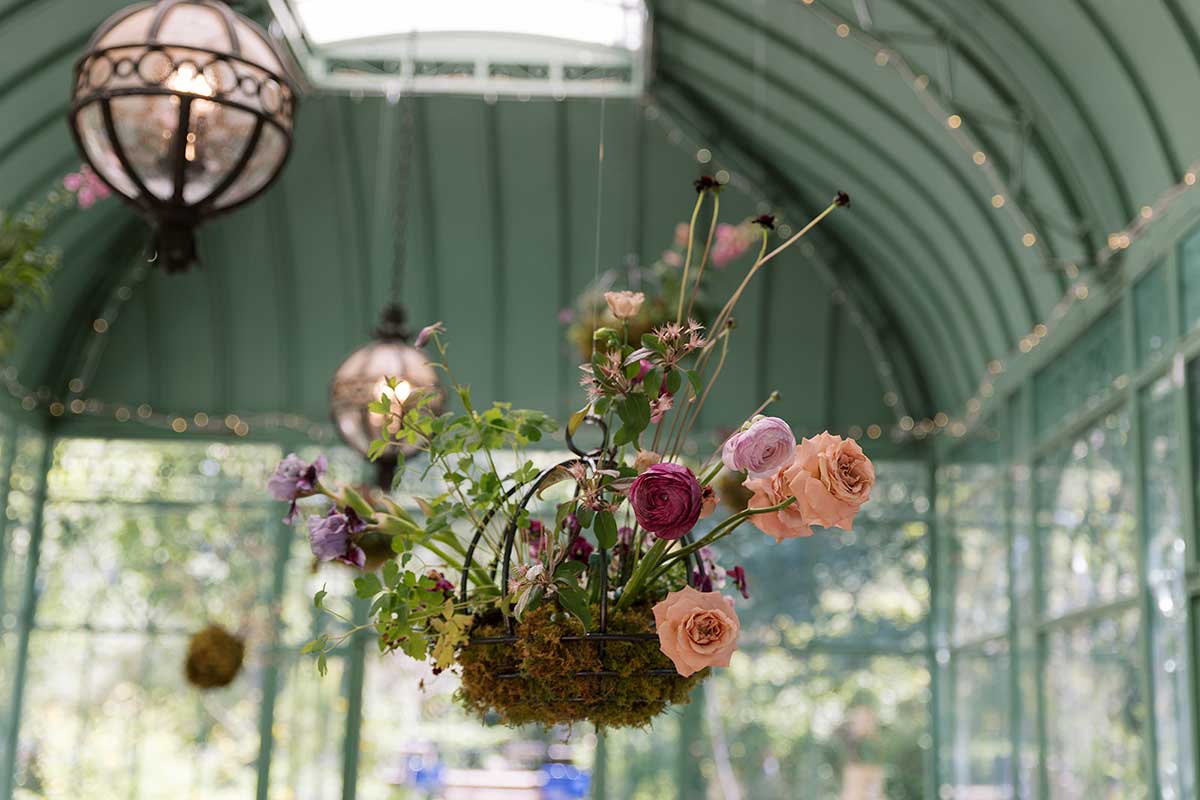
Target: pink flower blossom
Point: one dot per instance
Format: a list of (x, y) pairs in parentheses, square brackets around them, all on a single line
[(762, 449), (87, 186)]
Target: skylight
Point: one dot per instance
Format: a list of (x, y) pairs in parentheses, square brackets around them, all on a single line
[(521, 47)]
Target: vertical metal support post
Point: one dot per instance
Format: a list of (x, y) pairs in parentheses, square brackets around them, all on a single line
[(600, 767), (29, 598), (1039, 598), (270, 678), (934, 634), (10, 455), (1009, 496), (1145, 601), (689, 784), (355, 674)]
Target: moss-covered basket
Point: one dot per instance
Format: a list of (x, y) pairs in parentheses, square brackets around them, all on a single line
[(547, 690)]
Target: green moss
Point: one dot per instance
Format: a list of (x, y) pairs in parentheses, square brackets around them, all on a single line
[(214, 658), (547, 689)]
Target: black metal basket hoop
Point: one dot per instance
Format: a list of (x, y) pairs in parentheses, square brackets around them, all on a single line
[(593, 458)]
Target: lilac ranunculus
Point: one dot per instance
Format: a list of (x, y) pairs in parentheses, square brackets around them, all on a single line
[(763, 448), (295, 478), (332, 537), (666, 500)]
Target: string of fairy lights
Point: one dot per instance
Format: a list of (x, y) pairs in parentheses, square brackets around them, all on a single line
[(76, 402)]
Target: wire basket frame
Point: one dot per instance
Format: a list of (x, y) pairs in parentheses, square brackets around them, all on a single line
[(600, 456)]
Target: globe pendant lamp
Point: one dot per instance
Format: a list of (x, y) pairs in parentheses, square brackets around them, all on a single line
[(182, 107), (363, 379)]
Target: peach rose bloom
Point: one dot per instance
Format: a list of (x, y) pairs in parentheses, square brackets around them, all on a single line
[(696, 629), (645, 459), (624, 305), (831, 478), (787, 523), (708, 501)]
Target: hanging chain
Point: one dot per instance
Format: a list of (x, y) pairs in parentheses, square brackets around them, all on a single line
[(404, 150)]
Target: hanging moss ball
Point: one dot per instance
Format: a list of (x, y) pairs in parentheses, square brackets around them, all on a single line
[(214, 658), (547, 689)]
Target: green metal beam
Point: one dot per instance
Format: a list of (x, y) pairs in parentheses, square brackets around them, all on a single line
[(270, 677), (25, 622)]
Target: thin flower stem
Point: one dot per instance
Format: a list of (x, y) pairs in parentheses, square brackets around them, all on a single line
[(712, 228), (687, 261), (648, 563), (695, 412), (762, 260), (720, 532)]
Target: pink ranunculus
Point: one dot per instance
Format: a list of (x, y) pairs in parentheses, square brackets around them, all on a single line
[(87, 186), (786, 523), (762, 449), (830, 478), (672, 258), (681, 234), (696, 629), (666, 500)]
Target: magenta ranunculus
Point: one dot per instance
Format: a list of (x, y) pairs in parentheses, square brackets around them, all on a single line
[(761, 450), (666, 500)]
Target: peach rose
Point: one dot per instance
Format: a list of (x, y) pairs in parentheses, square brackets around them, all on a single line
[(830, 478), (624, 305), (696, 629), (645, 460), (786, 523), (708, 501)]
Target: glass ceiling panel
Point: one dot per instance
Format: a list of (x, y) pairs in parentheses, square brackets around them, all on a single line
[(524, 48), (612, 23)]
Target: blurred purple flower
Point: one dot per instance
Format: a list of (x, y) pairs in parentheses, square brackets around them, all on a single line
[(331, 537), (295, 478), (580, 550), (427, 333)]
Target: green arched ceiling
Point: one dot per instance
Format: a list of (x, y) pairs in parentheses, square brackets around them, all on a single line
[(1084, 111)]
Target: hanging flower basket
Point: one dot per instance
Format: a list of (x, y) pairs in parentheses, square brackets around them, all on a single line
[(614, 610)]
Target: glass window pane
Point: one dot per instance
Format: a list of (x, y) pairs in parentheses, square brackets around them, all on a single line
[(982, 745), (1085, 521), (1082, 375), (972, 495), (1095, 711), (1150, 306), (1189, 268)]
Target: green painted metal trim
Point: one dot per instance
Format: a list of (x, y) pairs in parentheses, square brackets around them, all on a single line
[(1145, 598), (1111, 164), (1006, 243), (1054, 154), (1166, 147), (936, 633), (721, 130), (786, 122), (10, 455), (355, 661), (26, 621), (784, 191), (270, 676)]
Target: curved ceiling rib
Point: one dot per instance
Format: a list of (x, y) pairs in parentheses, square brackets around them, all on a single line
[(1084, 109), (1004, 332)]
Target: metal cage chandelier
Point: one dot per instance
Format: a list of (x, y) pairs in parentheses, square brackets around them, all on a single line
[(363, 378), (182, 107)]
